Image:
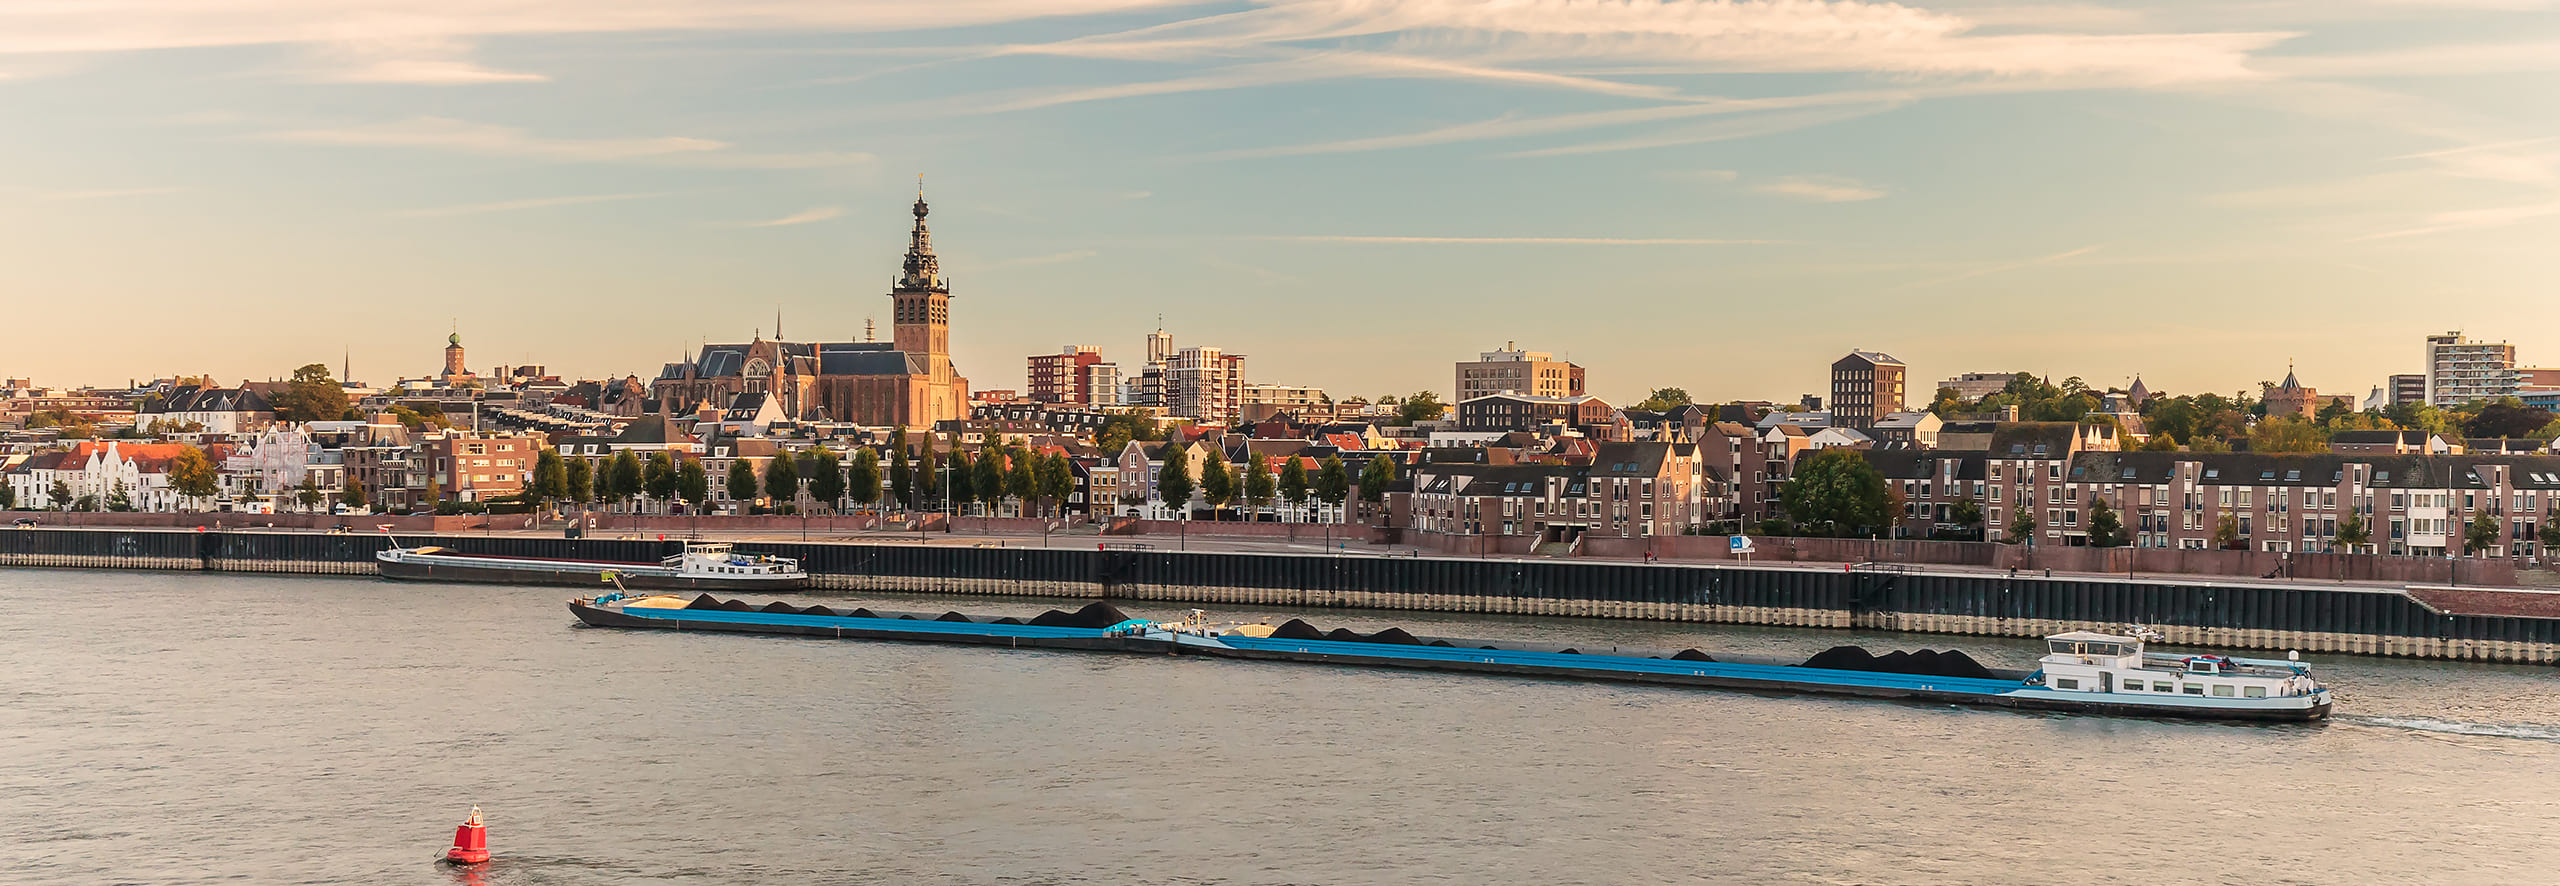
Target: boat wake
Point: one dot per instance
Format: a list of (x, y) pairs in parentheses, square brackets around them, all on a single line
[(2522, 731)]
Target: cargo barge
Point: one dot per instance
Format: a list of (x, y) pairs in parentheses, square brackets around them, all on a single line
[(701, 566), (2082, 672)]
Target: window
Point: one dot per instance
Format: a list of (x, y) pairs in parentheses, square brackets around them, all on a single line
[(2222, 690), (2256, 692), (2132, 686), (2163, 687), (2195, 689), (2065, 683)]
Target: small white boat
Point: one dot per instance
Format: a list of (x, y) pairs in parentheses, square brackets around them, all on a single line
[(702, 566)]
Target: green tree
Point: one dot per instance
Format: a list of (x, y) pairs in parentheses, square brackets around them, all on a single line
[(1122, 427), (86, 503), (1217, 484), (902, 481), (743, 484), (191, 475), (1173, 481), (2226, 530), (311, 395), (1421, 406), (659, 478), (1374, 479), (120, 499), (2548, 432), (2288, 434), (1022, 477), (8, 497), (2105, 530), (308, 495), (782, 482), (1947, 402), (58, 496), (577, 480), (865, 485), (624, 478), (550, 478), (2024, 529), (1333, 481), (960, 481), (1293, 482), (2550, 535), (1837, 492), (1259, 487), (2352, 533), (693, 484), (352, 495), (434, 496), (2481, 534), (927, 470), (987, 477), (826, 478), (2507, 417), (1664, 399), (1057, 481), (1968, 514)]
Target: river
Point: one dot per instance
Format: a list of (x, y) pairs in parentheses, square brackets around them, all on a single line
[(199, 728)]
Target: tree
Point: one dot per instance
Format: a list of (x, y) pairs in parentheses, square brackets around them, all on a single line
[(352, 495), (961, 480), (782, 482), (2226, 530), (58, 496), (2160, 443), (550, 478), (2024, 529), (902, 482), (577, 480), (86, 503), (742, 483), (308, 495), (1057, 481), (1174, 482), (2288, 434), (2105, 530), (1022, 476), (1259, 488), (826, 478), (2352, 533), (191, 474), (1422, 406), (311, 395), (987, 477), (1968, 514), (659, 478), (1293, 482), (120, 498), (1122, 427), (1837, 491), (2550, 535), (2482, 533), (623, 478), (1374, 479), (1217, 485), (435, 495), (1333, 482), (1663, 399), (1947, 402), (865, 485), (2209, 445), (927, 468), (2508, 417), (8, 497), (693, 484)]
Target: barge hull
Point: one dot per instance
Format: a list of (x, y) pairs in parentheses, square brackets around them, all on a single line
[(1764, 679), (583, 577)]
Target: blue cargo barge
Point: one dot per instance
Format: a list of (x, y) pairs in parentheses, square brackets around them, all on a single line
[(2082, 672)]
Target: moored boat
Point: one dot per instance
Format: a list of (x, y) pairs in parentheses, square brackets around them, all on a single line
[(2069, 677), (701, 566)]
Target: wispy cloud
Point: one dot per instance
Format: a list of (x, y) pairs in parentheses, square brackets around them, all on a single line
[(2472, 219), (1820, 189), (803, 217), (1050, 259), (515, 205), (1527, 241), (463, 136), (2001, 267), (107, 193)]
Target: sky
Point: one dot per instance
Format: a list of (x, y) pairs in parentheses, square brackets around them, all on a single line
[(1719, 196)]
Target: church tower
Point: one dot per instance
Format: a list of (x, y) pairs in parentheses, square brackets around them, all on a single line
[(453, 368), (921, 325)]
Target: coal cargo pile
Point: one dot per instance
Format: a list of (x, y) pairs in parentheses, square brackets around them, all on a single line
[(738, 606), (1396, 636), (818, 610), (955, 616), (859, 612), (1691, 655), (705, 601), (1925, 663), (781, 607), (1296, 629), (1093, 615)]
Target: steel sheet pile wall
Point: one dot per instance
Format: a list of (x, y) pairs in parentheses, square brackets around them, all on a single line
[(2309, 618)]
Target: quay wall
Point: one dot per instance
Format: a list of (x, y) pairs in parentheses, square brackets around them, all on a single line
[(2485, 624)]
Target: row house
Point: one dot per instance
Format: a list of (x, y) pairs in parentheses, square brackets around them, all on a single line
[(1628, 490), (479, 467), (97, 471), (1524, 412), (2410, 505)]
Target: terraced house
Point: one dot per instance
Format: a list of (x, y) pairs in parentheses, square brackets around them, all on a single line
[(1628, 490)]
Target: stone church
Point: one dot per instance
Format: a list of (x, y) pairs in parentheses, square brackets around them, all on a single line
[(907, 381)]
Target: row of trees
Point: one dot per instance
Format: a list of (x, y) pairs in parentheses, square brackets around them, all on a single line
[(1258, 486)]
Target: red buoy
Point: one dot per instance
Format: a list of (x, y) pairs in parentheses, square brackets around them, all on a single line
[(470, 841)]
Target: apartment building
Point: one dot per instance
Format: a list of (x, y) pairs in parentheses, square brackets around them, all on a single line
[(1865, 386), (1515, 371), (1628, 490), (2460, 370)]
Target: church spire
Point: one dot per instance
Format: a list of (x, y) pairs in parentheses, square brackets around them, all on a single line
[(922, 271)]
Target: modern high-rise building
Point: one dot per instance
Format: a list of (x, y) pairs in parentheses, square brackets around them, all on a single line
[(1515, 371), (2460, 370), (1865, 386), (2409, 388), (1205, 384), (1102, 384), (1061, 377)]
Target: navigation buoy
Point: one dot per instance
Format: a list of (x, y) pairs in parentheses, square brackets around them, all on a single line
[(470, 842)]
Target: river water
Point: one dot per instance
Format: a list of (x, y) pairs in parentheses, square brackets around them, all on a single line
[(187, 728)]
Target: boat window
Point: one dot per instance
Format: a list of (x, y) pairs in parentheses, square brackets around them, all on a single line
[(2065, 683), (2222, 690), (2163, 687), (2195, 689), (2132, 686), (2257, 692)]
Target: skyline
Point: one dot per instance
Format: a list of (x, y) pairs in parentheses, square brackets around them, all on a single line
[(1353, 194)]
